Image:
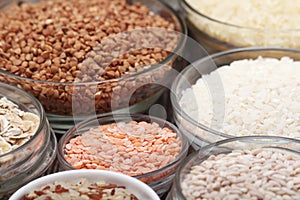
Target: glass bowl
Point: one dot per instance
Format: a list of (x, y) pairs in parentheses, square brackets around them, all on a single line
[(133, 186), (201, 134), (34, 157), (69, 102), (159, 179), (217, 35), (287, 146)]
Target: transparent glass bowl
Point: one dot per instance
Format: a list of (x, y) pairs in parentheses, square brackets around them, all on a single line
[(65, 103), (134, 186), (33, 158), (216, 35), (159, 180), (199, 134), (287, 145)]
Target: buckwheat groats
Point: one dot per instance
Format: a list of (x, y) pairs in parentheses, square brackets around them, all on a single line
[(245, 174), (80, 190), (133, 148), (53, 43), (16, 126)]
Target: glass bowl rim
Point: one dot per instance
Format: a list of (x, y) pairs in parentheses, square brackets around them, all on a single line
[(185, 3), (175, 101), (180, 45), (40, 110), (120, 116)]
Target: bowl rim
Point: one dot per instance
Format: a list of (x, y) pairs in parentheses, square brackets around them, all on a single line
[(180, 45), (82, 174), (120, 116), (244, 139), (175, 100), (185, 3), (41, 112)]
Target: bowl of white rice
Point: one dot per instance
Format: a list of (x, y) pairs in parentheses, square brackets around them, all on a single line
[(241, 92), (223, 25)]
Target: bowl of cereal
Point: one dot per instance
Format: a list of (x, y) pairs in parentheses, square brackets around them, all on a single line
[(85, 184), (250, 167), (241, 92), (234, 24), (91, 57), (145, 147), (27, 142)]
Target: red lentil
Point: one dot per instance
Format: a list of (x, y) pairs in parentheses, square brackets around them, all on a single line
[(133, 148)]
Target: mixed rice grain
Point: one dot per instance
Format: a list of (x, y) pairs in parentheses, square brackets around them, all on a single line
[(245, 174), (80, 190)]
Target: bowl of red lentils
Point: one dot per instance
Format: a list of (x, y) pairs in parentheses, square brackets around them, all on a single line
[(250, 167), (94, 56), (145, 147), (85, 184)]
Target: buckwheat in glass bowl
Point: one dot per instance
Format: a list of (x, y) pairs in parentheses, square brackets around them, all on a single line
[(145, 147), (86, 184), (27, 142), (91, 57), (241, 92), (234, 24), (251, 167)]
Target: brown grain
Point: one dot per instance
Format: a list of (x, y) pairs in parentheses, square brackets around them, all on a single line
[(60, 47)]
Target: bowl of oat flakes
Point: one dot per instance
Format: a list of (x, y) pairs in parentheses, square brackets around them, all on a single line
[(27, 143), (90, 57), (86, 184)]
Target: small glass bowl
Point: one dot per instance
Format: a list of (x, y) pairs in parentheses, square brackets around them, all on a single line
[(33, 158), (199, 134), (159, 180), (67, 102), (217, 35), (134, 186), (286, 145)]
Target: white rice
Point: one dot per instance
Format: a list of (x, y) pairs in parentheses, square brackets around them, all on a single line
[(261, 98), (266, 22)]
